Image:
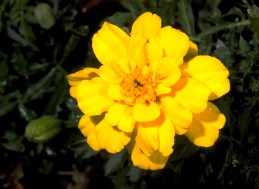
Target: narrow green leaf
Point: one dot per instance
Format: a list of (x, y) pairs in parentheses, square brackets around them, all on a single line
[(39, 87), (26, 113), (70, 46), (186, 18), (18, 38)]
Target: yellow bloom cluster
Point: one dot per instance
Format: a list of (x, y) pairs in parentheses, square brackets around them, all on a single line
[(152, 85)]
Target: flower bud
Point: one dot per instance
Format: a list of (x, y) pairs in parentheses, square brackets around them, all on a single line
[(42, 129), (44, 15)]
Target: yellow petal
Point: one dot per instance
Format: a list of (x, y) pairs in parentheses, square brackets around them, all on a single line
[(92, 97), (155, 135), (137, 49), (192, 51), (115, 92), (144, 112), (154, 162), (211, 71), (161, 89), (85, 74), (191, 93), (127, 65), (109, 74), (178, 114), (168, 69), (204, 129), (147, 138), (110, 43), (147, 24), (174, 43), (75, 78), (154, 52), (110, 138), (120, 115), (166, 137), (87, 126)]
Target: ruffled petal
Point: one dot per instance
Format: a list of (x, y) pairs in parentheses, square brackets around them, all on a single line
[(147, 138), (110, 43), (166, 133), (87, 126), (137, 49), (178, 114), (174, 43), (191, 93), (147, 24), (127, 65), (120, 115), (92, 97), (110, 138), (211, 71), (75, 78), (205, 126), (157, 135), (153, 162), (144, 112), (168, 70), (110, 73)]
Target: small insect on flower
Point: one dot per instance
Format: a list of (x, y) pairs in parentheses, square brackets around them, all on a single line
[(152, 85)]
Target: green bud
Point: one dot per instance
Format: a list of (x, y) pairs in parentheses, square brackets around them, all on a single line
[(42, 129), (44, 15)]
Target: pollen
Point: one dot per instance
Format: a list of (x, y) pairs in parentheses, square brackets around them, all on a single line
[(139, 86)]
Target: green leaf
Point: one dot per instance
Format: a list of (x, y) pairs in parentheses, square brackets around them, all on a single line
[(186, 18), (253, 13), (243, 122), (38, 88), (223, 53), (119, 18), (13, 141), (26, 113), (136, 173), (70, 46), (20, 39), (244, 46), (183, 148), (59, 92), (8, 102), (115, 162)]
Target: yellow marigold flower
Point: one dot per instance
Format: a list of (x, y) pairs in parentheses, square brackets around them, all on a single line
[(151, 86)]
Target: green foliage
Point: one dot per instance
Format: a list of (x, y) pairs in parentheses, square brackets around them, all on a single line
[(36, 57)]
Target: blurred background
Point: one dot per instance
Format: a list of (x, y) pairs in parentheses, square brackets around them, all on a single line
[(43, 41)]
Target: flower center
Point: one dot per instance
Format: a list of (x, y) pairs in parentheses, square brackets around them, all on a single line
[(139, 87)]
